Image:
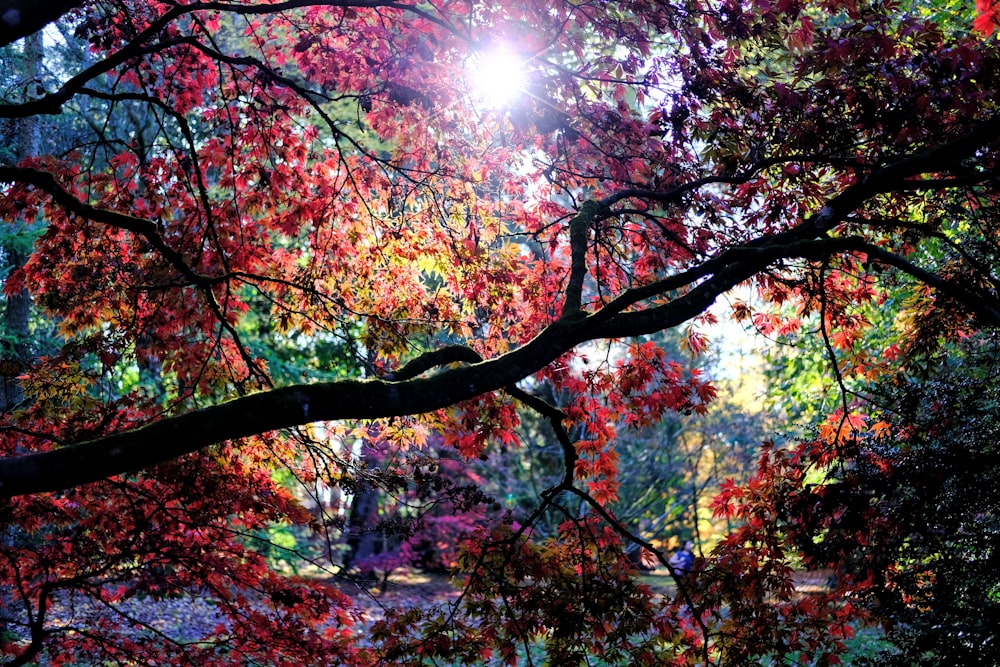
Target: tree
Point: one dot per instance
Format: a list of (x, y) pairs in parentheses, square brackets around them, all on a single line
[(333, 171), (926, 479)]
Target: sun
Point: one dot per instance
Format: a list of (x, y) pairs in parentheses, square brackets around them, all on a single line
[(498, 77)]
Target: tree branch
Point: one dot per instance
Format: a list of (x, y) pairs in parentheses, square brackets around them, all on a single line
[(740, 264), (352, 399), (370, 399), (20, 18), (461, 353), (142, 227), (139, 226), (579, 234), (556, 418)]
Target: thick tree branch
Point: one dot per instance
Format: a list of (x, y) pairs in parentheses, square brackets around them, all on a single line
[(452, 354), (272, 410), (894, 176), (741, 264), (579, 234), (20, 18), (410, 394), (897, 176), (462, 354), (52, 103), (983, 305), (355, 399)]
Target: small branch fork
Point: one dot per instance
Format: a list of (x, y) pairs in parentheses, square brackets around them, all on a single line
[(463, 354)]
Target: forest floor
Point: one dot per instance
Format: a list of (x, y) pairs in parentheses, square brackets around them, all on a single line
[(421, 584), (188, 619), (405, 589)]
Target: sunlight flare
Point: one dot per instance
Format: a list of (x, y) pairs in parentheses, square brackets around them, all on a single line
[(498, 77)]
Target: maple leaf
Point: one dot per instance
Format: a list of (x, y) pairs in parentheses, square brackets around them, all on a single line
[(881, 429), (648, 559), (987, 17)]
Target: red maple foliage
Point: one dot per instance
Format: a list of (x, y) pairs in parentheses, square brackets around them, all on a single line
[(987, 17), (246, 178)]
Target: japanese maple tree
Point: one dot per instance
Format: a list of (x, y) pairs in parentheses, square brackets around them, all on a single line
[(252, 178)]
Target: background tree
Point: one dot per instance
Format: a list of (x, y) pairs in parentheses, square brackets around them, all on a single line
[(924, 476), (331, 174)]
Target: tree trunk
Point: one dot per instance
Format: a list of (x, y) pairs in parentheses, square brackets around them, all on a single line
[(16, 352), (363, 538)]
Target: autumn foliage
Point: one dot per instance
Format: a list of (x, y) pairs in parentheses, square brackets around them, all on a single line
[(281, 254)]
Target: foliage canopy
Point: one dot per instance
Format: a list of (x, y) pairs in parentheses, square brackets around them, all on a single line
[(257, 218)]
